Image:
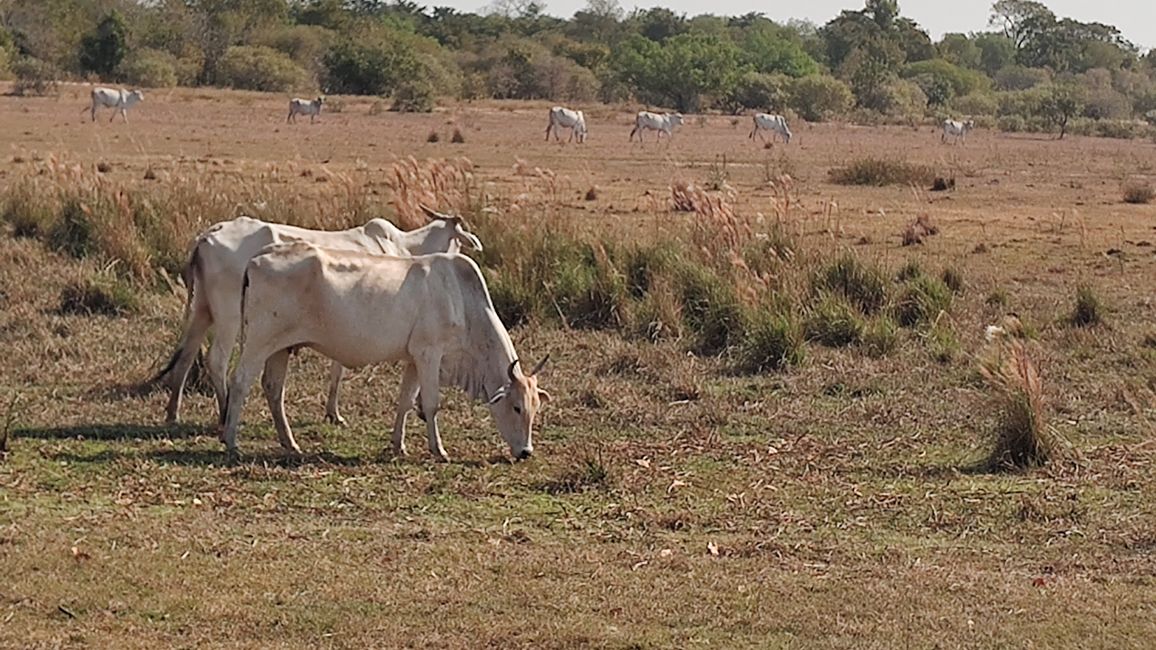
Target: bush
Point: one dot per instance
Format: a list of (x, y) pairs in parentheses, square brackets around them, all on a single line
[(149, 68), (757, 90), (975, 104), (961, 80), (1017, 77), (1012, 124), (773, 341), (100, 295), (834, 323), (1022, 438), (881, 172), (1138, 192), (820, 97), (862, 285), (921, 301), (896, 98), (1116, 129), (34, 77), (259, 68), (1088, 310), (711, 309), (414, 96)]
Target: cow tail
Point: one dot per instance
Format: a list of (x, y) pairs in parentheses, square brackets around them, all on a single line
[(189, 277)]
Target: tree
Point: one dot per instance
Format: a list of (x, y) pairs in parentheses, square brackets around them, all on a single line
[(1020, 20), (996, 51), (682, 71), (1058, 104), (102, 50), (959, 50)]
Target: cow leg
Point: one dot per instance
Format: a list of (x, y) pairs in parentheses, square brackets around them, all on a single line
[(332, 415), (239, 386), (217, 362), (273, 383), (289, 117), (405, 398), (427, 375), (94, 111), (194, 336)]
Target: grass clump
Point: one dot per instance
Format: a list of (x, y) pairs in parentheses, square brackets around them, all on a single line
[(834, 323), (953, 279), (942, 343), (1138, 192), (773, 341), (98, 295), (591, 474), (921, 301), (997, 298), (880, 337), (1022, 438), (862, 285), (458, 137), (918, 230), (73, 231), (711, 309), (1088, 310), (909, 272), (880, 172), (433, 137)]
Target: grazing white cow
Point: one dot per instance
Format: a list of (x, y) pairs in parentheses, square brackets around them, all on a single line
[(564, 118), (433, 313), (216, 269), (304, 107), (776, 124), (662, 123), (118, 100), (956, 130)]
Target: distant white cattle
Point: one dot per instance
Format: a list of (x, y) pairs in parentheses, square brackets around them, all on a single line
[(956, 130), (118, 100), (776, 124), (564, 118), (660, 122), (304, 107), (433, 313), (216, 268)]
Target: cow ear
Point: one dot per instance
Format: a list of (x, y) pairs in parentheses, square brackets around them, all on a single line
[(502, 392), (543, 396)]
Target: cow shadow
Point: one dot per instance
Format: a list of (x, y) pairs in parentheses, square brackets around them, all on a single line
[(113, 432)]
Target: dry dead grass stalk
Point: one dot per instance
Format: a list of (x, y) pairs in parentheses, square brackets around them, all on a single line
[(447, 184), (1022, 438), (918, 230)]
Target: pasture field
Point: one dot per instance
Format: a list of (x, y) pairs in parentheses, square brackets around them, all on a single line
[(672, 502)]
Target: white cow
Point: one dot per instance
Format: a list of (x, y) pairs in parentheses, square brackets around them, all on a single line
[(119, 100), (956, 130), (564, 118), (663, 123), (216, 269), (433, 313), (776, 124), (304, 107)]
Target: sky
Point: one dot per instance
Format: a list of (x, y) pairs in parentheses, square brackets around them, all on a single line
[(1135, 18)]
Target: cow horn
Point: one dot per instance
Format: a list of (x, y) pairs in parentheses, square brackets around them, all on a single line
[(510, 372), (541, 364), (431, 213)]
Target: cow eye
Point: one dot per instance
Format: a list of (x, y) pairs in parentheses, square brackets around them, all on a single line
[(518, 410)]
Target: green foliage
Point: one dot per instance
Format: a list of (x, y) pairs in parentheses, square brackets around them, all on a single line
[(149, 68), (1088, 309), (773, 341), (757, 90), (1058, 104), (102, 50), (260, 68), (102, 294), (961, 80), (820, 97), (34, 77), (834, 323), (896, 98), (975, 104), (880, 337), (921, 300), (711, 309), (681, 72)]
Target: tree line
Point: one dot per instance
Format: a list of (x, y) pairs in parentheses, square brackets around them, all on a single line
[(1032, 70)]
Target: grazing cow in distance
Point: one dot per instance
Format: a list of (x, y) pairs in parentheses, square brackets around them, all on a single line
[(216, 269), (776, 124), (564, 118), (662, 123), (956, 130), (304, 107), (118, 100), (434, 313)]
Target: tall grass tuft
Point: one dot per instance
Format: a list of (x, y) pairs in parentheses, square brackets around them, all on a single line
[(101, 294), (1088, 310), (880, 337), (834, 323), (773, 341), (862, 285), (1138, 192), (880, 172), (1022, 437), (921, 301)]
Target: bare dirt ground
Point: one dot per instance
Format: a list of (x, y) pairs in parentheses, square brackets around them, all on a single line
[(670, 504)]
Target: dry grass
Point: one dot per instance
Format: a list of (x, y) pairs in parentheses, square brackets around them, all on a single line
[(1138, 192), (1022, 436), (881, 172), (735, 506), (919, 230)]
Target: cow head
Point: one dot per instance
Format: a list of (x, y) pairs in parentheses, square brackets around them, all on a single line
[(969, 125), (676, 120), (515, 405), (133, 97), (455, 230)]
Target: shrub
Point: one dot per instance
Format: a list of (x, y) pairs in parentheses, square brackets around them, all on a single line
[(820, 97), (433, 137), (1138, 192), (881, 172), (1012, 124), (1022, 437), (259, 68), (711, 309), (149, 68), (896, 98), (1088, 310), (761, 91), (862, 285), (921, 301), (880, 337), (413, 96), (834, 323), (659, 315), (975, 104), (773, 341), (101, 295), (34, 77)]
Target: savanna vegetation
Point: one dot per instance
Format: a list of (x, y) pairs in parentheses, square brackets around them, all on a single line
[(1036, 71)]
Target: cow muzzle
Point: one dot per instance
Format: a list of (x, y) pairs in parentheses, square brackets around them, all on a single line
[(525, 453)]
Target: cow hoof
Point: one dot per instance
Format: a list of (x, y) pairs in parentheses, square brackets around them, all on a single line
[(400, 452), (335, 418), (440, 455)]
